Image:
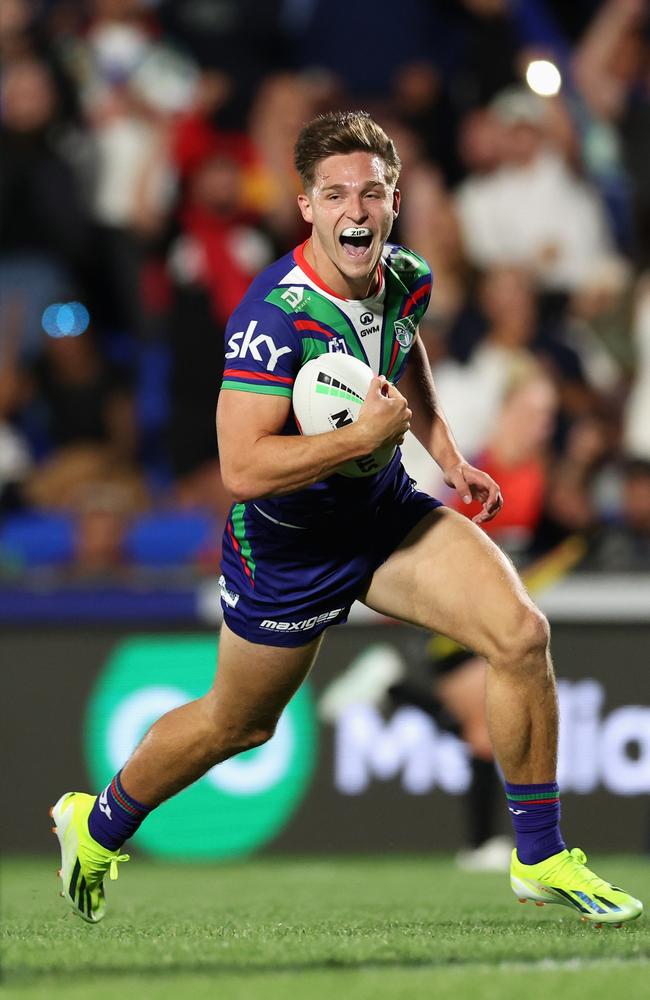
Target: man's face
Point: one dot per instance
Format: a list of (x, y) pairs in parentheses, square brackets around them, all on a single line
[(351, 207)]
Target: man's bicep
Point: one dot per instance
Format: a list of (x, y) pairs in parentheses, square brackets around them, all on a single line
[(243, 418)]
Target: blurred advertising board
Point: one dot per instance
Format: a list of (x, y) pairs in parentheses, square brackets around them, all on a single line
[(372, 778)]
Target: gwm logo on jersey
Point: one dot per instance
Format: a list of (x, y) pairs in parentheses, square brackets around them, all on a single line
[(237, 806), (366, 319), (405, 331), (261, 348)]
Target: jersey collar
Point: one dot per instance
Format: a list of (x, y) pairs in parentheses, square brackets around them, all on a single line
[(301, 261)]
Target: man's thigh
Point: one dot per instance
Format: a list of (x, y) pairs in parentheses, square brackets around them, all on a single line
[(254, 682), (449, 577)]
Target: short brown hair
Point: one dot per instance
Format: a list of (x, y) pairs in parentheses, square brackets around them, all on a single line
[(340, 132)]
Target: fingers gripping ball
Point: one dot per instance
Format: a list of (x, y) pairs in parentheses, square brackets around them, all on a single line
[(328, 393)]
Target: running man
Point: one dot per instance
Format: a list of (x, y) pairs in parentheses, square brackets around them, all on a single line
[(302, 543)]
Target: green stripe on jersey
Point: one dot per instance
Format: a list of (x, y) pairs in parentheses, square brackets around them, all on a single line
[(396, 292), (265, 390), (312, 348), (239, 528), (320, 309)]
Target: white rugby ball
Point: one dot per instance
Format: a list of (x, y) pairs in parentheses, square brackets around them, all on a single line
[(327, 394)]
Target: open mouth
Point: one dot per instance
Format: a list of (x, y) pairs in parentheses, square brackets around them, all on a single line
[(356, 241)]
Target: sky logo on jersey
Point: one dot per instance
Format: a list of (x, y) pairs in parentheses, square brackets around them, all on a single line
[(239, 347)]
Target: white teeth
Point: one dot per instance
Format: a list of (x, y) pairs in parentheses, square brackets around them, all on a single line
[(363, 231)]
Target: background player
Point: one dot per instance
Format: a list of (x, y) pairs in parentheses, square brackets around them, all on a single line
[(302, 543)]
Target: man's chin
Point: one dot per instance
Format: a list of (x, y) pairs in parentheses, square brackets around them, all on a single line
[(357, 267)]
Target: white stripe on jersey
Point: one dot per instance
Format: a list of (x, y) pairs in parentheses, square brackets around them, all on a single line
[(366, 315)]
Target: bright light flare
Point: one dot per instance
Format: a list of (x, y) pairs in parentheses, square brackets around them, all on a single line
[(543, 77)]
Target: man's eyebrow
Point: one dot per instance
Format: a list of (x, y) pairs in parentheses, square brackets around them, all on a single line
[(342, 187)]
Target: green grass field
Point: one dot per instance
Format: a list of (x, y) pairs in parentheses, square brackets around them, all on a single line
[(398, 928)]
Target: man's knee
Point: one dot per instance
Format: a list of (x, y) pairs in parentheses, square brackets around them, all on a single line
[(525, 642), (234, 732), (256, 735), (237, 736)]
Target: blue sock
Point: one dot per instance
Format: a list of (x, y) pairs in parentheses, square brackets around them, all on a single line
[(115, 816), (535, 811)]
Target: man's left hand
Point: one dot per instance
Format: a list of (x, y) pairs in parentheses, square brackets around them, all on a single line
[(472, 484)]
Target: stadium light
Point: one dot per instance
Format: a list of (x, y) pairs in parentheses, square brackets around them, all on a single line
[(543, 77)]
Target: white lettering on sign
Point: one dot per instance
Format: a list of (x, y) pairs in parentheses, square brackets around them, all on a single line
[(408, 747), (612, 750)]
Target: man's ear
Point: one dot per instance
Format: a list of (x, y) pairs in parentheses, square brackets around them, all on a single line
[(304, 205), (396, 202)]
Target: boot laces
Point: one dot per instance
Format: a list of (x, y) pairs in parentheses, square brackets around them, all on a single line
[(96, 865), (112, 868), (575, 865)]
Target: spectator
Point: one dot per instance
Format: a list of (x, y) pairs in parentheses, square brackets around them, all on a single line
[(241, 40), (283, 103), (471, 393), (15, 457), (571, 503), (88, 401), (612, 70), (517, 456), (428, 223), (624, 546), (91, 473), (532, 211), (598, 327), (636, 435), (481, 142), (212, 260), (131, 85), (43, 225)]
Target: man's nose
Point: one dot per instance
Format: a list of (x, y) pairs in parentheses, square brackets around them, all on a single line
[(356, 209)]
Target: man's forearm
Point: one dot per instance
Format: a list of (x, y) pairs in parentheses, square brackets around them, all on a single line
[(428, 422), (280, 464)]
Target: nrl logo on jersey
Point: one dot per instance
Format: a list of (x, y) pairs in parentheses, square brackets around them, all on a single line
[(405, 330)]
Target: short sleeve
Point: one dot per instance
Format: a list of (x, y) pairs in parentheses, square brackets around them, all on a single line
[(263, 350)]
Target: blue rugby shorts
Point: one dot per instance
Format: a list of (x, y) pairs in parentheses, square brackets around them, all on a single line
[(284, 585)]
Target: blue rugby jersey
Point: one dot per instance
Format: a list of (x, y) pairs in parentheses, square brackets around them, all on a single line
[(287, 317)]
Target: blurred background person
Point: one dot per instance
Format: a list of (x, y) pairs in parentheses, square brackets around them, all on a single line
[(44, 225), (533, 211)]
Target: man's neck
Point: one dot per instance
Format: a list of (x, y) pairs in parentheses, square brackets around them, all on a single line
[(336, 282)]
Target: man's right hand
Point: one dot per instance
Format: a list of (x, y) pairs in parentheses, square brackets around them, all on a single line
[(385, 416)]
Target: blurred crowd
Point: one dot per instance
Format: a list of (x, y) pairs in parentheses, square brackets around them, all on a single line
[(146, 171)]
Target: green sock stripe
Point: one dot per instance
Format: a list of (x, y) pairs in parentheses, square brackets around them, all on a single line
[(530, 796)]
